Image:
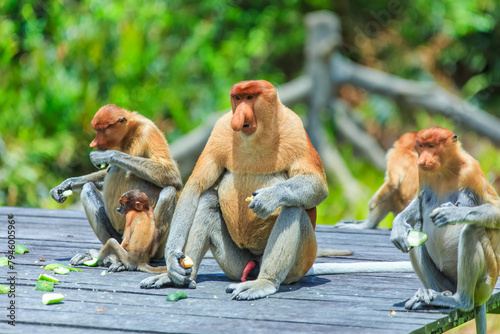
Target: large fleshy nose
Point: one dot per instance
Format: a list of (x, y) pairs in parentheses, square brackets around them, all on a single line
[(94, 143), (244, 119)]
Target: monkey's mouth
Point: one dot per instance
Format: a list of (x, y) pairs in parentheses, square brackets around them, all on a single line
[(246, 126)]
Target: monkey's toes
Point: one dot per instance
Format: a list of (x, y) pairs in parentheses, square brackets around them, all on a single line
[(78, 259), (252, 290), (156, 282)]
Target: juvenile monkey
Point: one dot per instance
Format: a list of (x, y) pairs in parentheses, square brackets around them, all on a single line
[(258, 148), (138, 158), (140, 238), (460, 212), (400, 185)]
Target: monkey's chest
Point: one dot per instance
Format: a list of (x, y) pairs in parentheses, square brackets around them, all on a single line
[(245, 227), (118, 181)]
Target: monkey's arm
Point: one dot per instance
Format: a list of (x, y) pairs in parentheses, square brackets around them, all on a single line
[(305, 191), (162, 174), (403, 223), (487, 215), (76, 183)]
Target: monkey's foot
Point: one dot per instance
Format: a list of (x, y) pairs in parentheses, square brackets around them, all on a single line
[(429, 297), (116, 266), (156, 282), (352, 224), (78, 259), (259, 288)]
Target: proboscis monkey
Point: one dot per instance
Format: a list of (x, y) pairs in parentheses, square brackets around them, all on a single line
[(139, 158), (460, 212), (140, 238), (400, 185), (260, 148)]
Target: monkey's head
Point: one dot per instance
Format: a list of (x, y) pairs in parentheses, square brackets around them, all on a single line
[(112, 124), (133, 200), (407, 141), (253, 103), (434, 146)]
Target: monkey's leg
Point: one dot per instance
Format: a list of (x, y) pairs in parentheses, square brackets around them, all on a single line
[(473, 276), (123, 257), (93, 204), (282, 258), (210, 231), (164, 210)]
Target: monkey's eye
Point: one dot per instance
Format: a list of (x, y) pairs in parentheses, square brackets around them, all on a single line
[(122, 119), (420, 145), (432, 145), (237, 98), (249, 97)]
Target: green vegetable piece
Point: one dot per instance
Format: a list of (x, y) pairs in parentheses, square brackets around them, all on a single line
[(49, 278), (4, 289), (52, 298), (61, 271), (20, 249), (67, 193), (91, 263), (175, 296), (102, 166), (416, 238), (4, 261), (44, 286), (52, 266)]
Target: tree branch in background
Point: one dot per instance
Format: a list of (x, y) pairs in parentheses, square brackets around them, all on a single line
[(427, 95), (362, 141)]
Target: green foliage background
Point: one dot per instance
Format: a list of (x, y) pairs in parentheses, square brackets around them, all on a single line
[(175, 61)]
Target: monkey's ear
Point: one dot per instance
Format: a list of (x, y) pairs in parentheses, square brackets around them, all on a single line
[(138, 206), (454, 138), (122, 120)]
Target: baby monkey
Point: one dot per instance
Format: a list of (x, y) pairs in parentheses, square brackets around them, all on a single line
[(140, 238)]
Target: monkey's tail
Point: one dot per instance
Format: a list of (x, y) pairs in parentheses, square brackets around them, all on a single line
[(324, 252), (480, 315), (152, 270), (360, 267)]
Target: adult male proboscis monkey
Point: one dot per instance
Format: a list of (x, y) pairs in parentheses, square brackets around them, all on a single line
[(260, 148), (139, 158), (460, 212)]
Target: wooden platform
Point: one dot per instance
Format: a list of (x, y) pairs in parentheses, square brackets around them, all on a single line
[(349, 303)]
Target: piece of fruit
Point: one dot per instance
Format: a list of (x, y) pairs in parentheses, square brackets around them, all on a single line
[(186, 262), (416, 238), (4, 261), (67, 193), (52, 266), (175, 296), (249, 199), (4, 289), (49, 278), (61, 271), (44, 286), (52, 298), (20, 249), (91, 263)]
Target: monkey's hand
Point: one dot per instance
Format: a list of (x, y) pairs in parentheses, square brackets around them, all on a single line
[(399, 235), (448, 213), (99, 158), (178, 275), (265, 201), (78, 259), (57, 192), (157, 282)]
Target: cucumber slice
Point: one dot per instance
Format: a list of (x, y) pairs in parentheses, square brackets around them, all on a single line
[(52, 266), (61, 271), (91, 263), (44, 286), (416, 238), (52, 298), (49, 278), (67, 193), (175, 296), (20, 249), (4, 261), (4, 289), (102, 166)]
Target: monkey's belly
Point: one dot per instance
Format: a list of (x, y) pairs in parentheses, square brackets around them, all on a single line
[(442, 246), (245, 227), (118, 181)]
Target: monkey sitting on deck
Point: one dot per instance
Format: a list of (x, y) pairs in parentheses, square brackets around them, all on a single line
[(140, 238), (460, 212), (399, 188)]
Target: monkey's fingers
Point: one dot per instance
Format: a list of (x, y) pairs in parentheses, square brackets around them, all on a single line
[(78, 259), (116, 267), (157, 282)]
